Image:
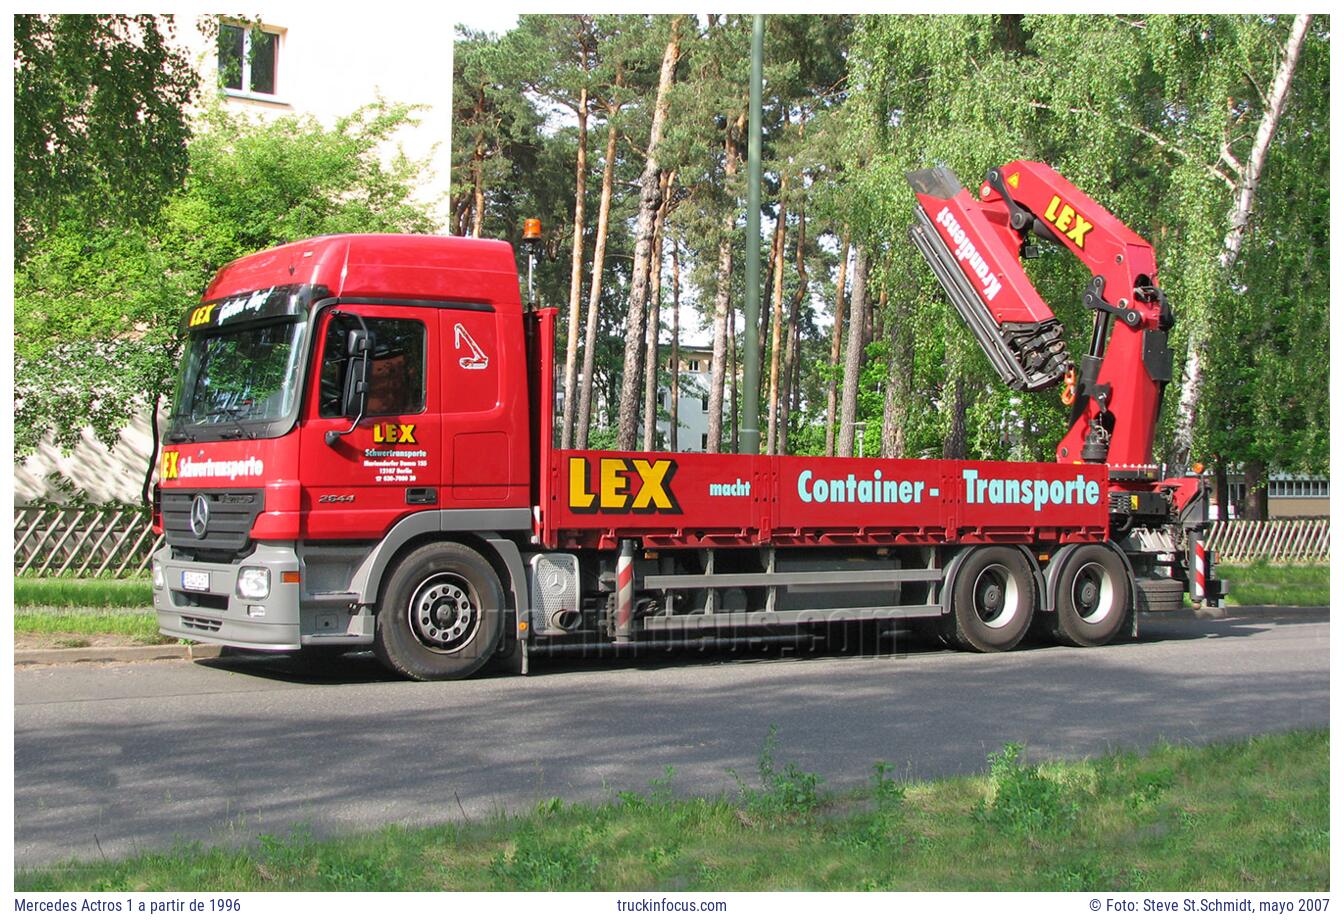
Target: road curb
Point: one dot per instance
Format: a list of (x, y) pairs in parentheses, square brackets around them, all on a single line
[(128, 653)]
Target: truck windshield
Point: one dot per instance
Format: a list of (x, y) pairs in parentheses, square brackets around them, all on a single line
[(241, 376)]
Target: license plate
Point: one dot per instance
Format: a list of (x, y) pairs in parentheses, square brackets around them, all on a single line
[(196, 581)]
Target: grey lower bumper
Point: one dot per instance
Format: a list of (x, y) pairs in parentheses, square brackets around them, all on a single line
[(199, 601)]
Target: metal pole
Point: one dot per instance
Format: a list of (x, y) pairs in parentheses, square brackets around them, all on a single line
[(750, 437)]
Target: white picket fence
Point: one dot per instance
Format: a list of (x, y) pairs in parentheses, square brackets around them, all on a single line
[(1281, 540), (78, 542)]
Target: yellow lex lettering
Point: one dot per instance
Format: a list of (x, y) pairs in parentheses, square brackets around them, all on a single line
[(580, 499), (1068, 220), (653, 485), (614, 484), (169, 468)]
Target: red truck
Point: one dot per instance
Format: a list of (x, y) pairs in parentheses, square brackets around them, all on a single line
[(360, 453)]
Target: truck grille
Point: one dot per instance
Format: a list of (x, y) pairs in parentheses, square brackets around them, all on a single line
[(229, 519)]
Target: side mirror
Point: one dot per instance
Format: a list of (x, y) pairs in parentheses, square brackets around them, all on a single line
[(355, 384)]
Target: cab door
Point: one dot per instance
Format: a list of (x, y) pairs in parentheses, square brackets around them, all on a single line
[(391, 463)]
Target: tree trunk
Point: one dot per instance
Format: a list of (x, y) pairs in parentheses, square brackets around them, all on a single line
[(776, 321), (478, 187), (722, 296), (675, 384), (791, 346), (652, 321), (575, 277), (585, 409), (1257, 491), (627, 418), (1220, 489), (954, 444), (849, 393), (837, 330), (732, 376), (896, 403), (147, 485), (1248, 180)]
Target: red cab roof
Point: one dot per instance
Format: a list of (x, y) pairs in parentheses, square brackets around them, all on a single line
[(382, 265)]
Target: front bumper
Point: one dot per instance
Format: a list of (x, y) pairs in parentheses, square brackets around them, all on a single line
[(217, 615)]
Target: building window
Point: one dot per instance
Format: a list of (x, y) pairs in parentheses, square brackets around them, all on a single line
[(247, 60), (704, 441), (693, 364), (704, 402)]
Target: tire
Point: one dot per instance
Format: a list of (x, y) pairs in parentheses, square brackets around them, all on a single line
[(441, 615), (1092, 597), (993, 596)]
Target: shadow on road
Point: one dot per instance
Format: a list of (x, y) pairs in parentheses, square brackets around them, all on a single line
[(869, 641)]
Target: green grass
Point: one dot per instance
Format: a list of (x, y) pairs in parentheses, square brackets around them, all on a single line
[(1252, 815), (83, 592), (65, 624), (1277, 584)]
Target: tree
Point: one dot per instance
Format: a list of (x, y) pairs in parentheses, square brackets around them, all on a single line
[(649, 201), (98, 309), (100, 130)]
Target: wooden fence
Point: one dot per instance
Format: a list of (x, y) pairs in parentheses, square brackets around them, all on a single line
[(83, 542), (1281, 540), (117, 540)]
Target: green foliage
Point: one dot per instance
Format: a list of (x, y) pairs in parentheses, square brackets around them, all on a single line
[(100, 125), (97, 309), (82, 592), (1024, 803), (784, 794)]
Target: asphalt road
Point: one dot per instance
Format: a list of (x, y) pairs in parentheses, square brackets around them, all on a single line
[(112, 760)]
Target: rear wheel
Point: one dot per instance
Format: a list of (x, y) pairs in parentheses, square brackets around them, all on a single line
[(993, 596), (441, 615), (1092, 597)]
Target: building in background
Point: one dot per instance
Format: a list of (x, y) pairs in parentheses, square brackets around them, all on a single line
[(309, 62), (693, 401)]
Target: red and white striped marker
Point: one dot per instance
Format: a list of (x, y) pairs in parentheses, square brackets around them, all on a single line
[(625, 590), (1201, 567)]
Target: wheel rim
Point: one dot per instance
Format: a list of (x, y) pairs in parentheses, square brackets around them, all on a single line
[(1092, 592), (444, 613), (994, 596)]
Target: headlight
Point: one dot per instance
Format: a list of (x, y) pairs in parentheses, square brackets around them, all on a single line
[(254, 582), (158, 575)]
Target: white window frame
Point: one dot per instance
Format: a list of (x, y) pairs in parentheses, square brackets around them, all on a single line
[(244, 92)]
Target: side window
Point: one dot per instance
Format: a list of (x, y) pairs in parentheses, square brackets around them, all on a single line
[(396, 368)]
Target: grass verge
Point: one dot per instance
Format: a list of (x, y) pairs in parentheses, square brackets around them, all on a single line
[(1251, 815), (83, 592), (76, 627), (1277, 584)]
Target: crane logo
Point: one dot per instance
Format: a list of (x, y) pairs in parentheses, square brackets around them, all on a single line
[(477, 360), (969, 255), (1063, 216)]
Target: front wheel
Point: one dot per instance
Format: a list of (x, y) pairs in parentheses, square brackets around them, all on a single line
[(441, 615), (1091, 597), (993, 596)]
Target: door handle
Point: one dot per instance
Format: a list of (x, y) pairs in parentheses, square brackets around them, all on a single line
[(422, 496)]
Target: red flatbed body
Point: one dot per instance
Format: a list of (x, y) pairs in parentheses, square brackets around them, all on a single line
[(594, 499)]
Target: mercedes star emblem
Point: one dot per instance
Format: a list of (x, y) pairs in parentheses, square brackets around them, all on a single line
[(200, 515)]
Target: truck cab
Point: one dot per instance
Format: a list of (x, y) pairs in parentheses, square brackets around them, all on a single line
[(338, 397)]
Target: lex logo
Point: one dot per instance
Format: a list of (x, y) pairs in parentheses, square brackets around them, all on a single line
[(201, 316), (1068, 220), (393, 433), (168, 465), (615, 485)]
